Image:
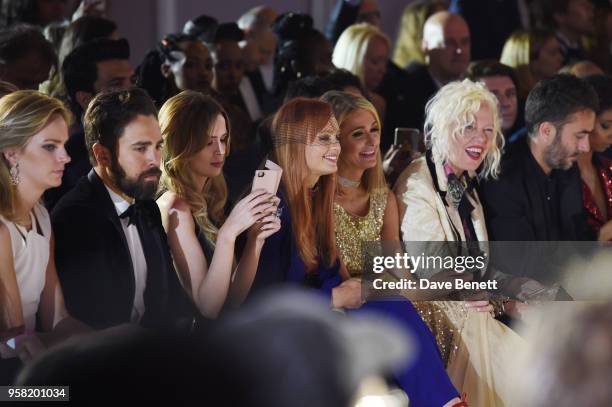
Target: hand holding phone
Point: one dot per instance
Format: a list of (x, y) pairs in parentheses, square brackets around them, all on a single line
[(268, 179)]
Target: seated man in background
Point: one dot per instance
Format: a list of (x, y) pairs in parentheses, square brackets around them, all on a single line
[(500, 80), (26, 57), (446, 44), (91, 68)]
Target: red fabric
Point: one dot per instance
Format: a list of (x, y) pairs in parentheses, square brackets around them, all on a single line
[(596, 219)]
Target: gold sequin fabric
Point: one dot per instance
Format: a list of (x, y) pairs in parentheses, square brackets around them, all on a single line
[(445, 320), (352, 231)]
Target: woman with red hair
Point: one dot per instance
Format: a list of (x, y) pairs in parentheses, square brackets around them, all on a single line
[(306, 146)]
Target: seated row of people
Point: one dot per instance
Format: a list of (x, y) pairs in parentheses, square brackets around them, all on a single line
[(122, 258)]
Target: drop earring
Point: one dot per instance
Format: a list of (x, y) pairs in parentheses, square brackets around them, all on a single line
[(15, 174)]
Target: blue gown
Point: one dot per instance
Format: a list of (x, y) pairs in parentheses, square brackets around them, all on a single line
[(424, 379)]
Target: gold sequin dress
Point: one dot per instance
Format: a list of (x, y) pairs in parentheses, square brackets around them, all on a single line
[(352, 231)]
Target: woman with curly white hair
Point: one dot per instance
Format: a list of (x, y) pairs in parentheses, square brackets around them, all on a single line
[(438, 202)]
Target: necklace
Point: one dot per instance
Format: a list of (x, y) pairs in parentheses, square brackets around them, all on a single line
[(347, 183)]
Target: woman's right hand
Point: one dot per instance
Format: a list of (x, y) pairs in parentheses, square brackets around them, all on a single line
[(25, 346), (252, 208)]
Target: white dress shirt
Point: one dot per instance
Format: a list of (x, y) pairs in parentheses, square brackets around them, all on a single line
[(136, 253)]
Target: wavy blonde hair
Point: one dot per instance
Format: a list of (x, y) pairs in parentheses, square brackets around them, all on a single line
[(295, 125), (344, 104), (23, 114), (186, 122), (351, 48), (450, 111)]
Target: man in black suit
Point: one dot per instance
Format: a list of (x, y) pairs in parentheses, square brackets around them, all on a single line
[(111, 251), (258, 48), (446, 44), (538, 195)]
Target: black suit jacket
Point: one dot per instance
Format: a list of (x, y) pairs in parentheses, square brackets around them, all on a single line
[(95, 267), (513, 211)]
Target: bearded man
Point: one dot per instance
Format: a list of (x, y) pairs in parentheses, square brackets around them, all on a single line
[(538, 196), (110, 247)]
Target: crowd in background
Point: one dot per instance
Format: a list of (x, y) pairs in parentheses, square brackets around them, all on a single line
[(129, 196)]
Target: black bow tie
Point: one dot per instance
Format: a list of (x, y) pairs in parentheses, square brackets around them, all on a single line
[(135, 213)]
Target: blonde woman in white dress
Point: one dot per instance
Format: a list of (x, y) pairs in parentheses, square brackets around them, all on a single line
[(33, 131), (464, 140)]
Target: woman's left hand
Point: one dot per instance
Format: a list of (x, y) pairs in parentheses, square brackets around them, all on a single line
[(265, 228)]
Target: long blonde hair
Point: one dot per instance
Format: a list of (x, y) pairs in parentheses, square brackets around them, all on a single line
[(186, 122), (343, 104), (295, 125), (23, 114)]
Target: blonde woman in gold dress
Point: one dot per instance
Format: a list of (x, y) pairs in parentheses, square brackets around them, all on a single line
[(364, 208)]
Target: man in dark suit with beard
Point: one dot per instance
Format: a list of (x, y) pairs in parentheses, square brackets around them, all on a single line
[(538, 195), (110, 247)]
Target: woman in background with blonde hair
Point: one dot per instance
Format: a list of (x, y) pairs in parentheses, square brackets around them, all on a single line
[(34, 131), (408, 48), (364, 50), (196, 136), (534, 54)]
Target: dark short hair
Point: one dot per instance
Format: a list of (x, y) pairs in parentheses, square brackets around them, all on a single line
[(228, 32), (490, 67), (80, 70), (83, 30), (555, 99), (308, 87), (602, 84), (20, 40), (203, 27), (110, 112), (341, 78)]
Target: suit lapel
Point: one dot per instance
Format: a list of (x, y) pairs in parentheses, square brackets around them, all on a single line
[(107, 209)]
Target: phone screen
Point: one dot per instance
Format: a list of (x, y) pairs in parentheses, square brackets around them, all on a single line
[(408, 138)]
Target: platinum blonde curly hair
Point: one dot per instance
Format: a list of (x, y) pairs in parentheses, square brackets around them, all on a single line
[(449, 112)]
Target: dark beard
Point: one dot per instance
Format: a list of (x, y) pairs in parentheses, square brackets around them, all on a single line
[(556, 156), (138, 189)]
